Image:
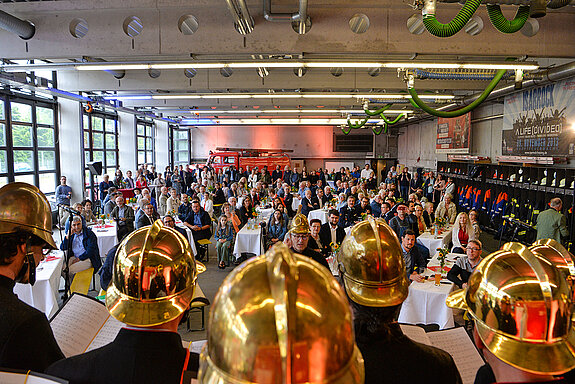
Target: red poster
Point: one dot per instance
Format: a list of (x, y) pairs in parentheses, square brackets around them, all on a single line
[(454, 134)]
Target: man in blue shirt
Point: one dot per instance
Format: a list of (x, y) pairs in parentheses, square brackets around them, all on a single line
[(85, 252), (200, 223), (63, 196), (63, 192), (414, 260)]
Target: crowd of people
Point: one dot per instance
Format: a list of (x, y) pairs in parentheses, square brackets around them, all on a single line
[(295, 324)]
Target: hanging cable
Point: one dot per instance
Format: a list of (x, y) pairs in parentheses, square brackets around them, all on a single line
[(418, 103)]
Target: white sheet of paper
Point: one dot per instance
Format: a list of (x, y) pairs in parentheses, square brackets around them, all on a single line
[(415, 333), (457, 343), (107, 333), (21, 378), (77, 323)]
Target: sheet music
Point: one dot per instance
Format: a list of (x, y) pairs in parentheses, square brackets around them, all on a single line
[(32, 378), (77, 323), (107, 333), (457, 343), (415, 333)]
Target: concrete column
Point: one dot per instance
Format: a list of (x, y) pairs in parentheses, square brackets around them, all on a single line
[(71, 146), (161, 146)]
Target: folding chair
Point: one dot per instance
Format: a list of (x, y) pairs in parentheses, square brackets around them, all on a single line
[(199, 302)]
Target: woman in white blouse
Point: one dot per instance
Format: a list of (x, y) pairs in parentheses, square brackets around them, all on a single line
[(462, 233), (208, 204)]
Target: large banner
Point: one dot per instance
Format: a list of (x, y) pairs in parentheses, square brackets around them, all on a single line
[(454, 134), (540, 121)]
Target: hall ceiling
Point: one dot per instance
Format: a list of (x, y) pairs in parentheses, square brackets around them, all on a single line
[(329, 40)]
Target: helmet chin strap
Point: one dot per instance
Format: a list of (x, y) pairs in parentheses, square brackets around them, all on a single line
[(28, 266)]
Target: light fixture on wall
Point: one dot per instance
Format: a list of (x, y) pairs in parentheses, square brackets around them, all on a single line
[(271, 121)]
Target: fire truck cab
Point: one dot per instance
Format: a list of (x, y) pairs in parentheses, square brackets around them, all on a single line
[(241, 157)]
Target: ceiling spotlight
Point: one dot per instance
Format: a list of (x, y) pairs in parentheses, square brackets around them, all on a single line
[(263, 72), (359, 23), (300, 71), (336, 71), (474, 26), (190, 72), (154, 73), (226, 71), (373, 72), (415, 24)]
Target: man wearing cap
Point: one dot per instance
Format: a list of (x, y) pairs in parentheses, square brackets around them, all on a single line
[(26, 339), (551, 223), (151, 299), (521, 305), (297, 239), (372, 272), (402, 221)]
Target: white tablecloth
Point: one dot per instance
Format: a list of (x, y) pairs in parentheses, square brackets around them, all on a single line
[(318, 214), (190, 236), (430, 242), (106, 239), (248, 240), (296, 202), (44, 294), (425, 303)]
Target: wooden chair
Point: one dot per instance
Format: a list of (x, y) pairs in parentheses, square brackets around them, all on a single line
[(204, 244), (81, 282), (199, 302)]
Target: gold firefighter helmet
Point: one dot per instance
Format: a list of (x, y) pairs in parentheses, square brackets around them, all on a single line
[(371, 262), (24, 206), (561, 258), (280, 318), (154, 277), (522, 309), (299, 224)]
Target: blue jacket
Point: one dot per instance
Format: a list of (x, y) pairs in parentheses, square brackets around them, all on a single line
[(226, 233), (375, 209), (277, 231), (92, 252)]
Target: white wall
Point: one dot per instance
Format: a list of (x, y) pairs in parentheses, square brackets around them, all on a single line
[(312, 143), (70, 141), (418, 140)]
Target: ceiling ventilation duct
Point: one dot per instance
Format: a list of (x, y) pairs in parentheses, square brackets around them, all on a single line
[(243, 22), (22, 28), (301, 22)]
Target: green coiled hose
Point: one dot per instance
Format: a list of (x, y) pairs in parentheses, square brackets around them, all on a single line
[(418, 103), (446, 30), (507, 26)]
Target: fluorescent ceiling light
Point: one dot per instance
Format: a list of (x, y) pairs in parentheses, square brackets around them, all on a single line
[(297, 111), (274, 121), (277, 96), (527, 66)]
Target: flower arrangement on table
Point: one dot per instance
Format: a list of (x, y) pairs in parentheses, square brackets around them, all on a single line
[(254, 212), (332, 258), (442, 257), (364, 216)]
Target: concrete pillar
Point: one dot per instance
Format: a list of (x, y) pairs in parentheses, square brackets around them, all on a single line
[(161, 146), (127, 141), (71, 146)]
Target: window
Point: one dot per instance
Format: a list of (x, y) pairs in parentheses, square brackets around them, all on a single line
[(353, 143), (28, 146), (100, 131), (229, 160), (180, 146), (144, 147)]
